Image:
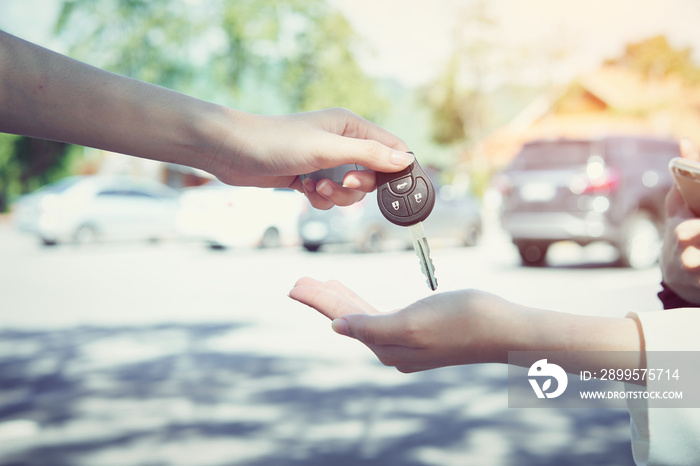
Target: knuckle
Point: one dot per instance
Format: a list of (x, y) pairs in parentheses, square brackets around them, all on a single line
[(413, 331), (406, 369), (374, 148), (347, 198), (320, 203), (388, 360), (364, 334), (341, 112)]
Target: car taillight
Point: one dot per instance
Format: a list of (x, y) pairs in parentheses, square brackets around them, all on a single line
[(605, 183), (503, 185), (602, 183)]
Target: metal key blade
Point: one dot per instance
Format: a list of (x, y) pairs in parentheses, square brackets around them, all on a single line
[(420, 244)]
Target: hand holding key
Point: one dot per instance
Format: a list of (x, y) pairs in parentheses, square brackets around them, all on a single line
[(406, 198)]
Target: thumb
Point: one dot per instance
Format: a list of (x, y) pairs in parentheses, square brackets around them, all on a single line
[(368, 153), (675, 204), (369, 329)]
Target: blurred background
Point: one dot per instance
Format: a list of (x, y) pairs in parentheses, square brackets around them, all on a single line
[(143, 316)]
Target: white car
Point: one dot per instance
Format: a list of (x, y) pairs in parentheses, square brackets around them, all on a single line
[(88, 208), (229, 216)]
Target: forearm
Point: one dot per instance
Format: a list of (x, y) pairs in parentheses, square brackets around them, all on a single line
[(47, 95), (585, 342)]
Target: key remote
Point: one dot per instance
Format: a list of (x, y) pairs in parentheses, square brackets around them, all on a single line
[(406, 198)]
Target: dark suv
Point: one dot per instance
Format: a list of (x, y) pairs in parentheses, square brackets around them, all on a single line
[(584, 190)]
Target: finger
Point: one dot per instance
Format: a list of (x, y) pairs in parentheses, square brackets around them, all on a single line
[(297, 184), (340, 290), (688, 232), (675, 204), (336, 150), (690, 259), (324, 301), (405, 359), (358, 127), (337, 194), (382, 329), (316, 199), (361, 180)]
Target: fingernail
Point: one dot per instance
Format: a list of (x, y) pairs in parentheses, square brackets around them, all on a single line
[(309, 185), (402, 159), (324, 188), (351, 183), (340, 326)]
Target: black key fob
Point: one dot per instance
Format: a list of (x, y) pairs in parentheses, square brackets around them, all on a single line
[(335, 174), (405, 197)]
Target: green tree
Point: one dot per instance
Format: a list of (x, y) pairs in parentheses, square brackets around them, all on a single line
[(457, 98), (323, 72), (654, 57), (28, 163), (9, 171), (234, 52)]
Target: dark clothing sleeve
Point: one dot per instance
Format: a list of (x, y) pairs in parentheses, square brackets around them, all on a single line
[(671, 300)]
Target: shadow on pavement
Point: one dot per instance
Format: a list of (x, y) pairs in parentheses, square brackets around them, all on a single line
[(175, 395)]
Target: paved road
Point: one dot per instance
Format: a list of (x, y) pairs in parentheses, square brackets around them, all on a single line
[(170, 354)]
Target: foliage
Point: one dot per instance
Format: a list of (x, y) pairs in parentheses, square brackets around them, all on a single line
[(654, 57), (300, 51), (324, 73), (28, 163), (446, 102), (457, 96)]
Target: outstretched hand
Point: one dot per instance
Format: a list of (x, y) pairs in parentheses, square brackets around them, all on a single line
[(460, 327)]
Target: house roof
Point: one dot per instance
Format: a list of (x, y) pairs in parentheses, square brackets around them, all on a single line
[(609, 100)]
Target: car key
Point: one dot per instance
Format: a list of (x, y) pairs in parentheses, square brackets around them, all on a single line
[(335, 174), (406, 198)]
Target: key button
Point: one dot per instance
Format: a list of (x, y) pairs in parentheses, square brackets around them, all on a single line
[(402, 185), (419, 197), (395, 205)]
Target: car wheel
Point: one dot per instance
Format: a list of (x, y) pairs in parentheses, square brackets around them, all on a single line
[(271, 238), (533, 254), (641, 242), (312, 247), (86, 234), (372, 241), (471, 235), (48, 241)]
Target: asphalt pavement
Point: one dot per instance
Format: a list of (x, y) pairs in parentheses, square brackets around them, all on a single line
[(171, 354)]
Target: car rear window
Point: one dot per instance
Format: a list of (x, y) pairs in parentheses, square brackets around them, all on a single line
[(552, 155), (62, 185)]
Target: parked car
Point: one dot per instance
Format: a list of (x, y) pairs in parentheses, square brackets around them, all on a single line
[(456, 217), (609, 189), (225, 216), (84, 209)]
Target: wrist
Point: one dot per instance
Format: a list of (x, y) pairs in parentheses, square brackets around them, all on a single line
[(505, 326), (226, 147), (207, 135)]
